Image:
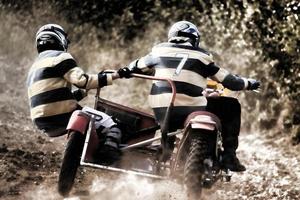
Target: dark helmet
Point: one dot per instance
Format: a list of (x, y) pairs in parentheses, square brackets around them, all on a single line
[(51, 37), (184, 31)]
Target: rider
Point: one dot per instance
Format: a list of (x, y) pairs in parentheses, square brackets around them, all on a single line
[(189, 66), (49, 84)]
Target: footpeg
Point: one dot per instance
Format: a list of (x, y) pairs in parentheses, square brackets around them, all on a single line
[(227, 175)]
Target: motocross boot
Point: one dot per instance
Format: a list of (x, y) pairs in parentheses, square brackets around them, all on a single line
[(109, 152), (230, 160), (229, 111), (231, 129)]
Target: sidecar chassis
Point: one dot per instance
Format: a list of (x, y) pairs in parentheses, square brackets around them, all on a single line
[(143, 127)]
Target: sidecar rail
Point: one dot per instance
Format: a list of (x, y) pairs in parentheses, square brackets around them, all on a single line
[(146, 142), (122, 170)]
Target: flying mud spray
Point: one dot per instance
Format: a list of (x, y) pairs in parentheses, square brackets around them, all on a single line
[(272, 169)]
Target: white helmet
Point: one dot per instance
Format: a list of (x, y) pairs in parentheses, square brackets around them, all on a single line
[(184, 31), (52, 36)]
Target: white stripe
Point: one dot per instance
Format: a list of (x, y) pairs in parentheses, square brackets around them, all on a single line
[(109, 79), (46, 85), (163, 100), (117, 136), (172, 51), (93, 82), (245, 83), (49, 33), (62, 57), (220, 75), (186, 76), (76, 77), (55, 108), (45, 62), (112, 144), (141, 63)]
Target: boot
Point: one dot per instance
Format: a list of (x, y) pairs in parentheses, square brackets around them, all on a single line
[(231, 162), (229, 111), (107, 155), (109, 152), (230, 144)]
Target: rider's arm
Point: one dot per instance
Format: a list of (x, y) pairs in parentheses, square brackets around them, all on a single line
[(83, 80), (229, 80), (75, 75), (144, 65)]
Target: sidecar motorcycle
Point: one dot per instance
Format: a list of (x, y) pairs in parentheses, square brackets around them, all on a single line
[(195, 160)]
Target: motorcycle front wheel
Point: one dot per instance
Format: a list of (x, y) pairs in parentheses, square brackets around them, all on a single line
[(70, 162)]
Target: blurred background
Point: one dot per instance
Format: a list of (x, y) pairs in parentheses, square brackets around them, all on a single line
[(258, 39)]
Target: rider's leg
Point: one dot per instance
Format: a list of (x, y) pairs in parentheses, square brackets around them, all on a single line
[(113, 136), (229, 111), (231, 129), (110, 139), (109, 152)]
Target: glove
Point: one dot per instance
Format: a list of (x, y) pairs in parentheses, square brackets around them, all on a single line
[(79, 94), (124, 72), (253, 84)]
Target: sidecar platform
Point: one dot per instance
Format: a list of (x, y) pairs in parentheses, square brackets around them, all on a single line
[(140, 128), (139, 161)]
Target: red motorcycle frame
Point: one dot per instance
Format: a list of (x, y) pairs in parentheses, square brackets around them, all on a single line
[(195, 159)]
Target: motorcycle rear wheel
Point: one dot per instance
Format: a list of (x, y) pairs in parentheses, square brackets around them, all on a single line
[(70, 162), (194, 165)]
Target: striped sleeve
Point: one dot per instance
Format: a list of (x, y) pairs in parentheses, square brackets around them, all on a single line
[(230, 81), (209, 70), (220, 75), (77, 77), (67, 67), (82, 80), (234, 82), (144, 65)]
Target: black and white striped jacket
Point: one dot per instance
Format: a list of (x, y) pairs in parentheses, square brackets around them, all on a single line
[(189, 68), (49, 87)]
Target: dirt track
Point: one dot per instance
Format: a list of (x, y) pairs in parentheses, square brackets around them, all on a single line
[(29, 163)]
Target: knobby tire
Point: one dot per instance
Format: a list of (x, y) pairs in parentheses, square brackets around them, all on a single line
[(70, 163), (194, 166)]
